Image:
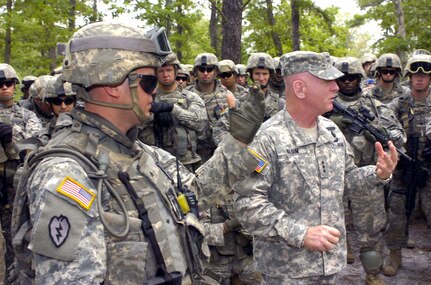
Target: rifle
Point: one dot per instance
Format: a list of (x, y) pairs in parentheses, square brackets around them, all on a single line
[(361, 121)]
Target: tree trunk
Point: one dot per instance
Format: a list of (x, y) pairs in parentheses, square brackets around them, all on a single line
[(94, 15), (72, 15), (296, 41), (180, 29), (231, 30), (8, 34), (271, 21), (214, 27), (400, 19)]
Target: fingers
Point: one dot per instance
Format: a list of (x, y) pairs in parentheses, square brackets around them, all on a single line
[(321, 238), (386, 162)]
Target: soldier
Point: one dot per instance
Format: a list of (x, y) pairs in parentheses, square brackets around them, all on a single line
[(242, 76), (215, 96), (183, 76), (16, 124), (96, 206), (276, 82), (37, 91), (227, 75), (26, 82), (179, 115), (388, 73), (414, 112), (367, 60), (369, 220), (293, 206)]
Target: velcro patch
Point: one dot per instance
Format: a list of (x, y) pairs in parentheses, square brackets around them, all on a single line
[(75, 191), (59, 228), (262, 163)]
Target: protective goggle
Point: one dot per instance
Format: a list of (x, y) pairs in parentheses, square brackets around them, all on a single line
[(181, 78), (424, 67), (225, 75), (7, 83), (58, 101), (148, 83), (388, 71), (208, 69)]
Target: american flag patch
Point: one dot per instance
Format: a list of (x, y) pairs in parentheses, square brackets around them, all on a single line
[(262, 163), (75, 191)]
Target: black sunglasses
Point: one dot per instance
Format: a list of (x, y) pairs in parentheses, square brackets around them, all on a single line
[(348, 77), (181, 78), (388, 71), (58, 101), (225, 75), (208, 69), (7, 83), (148, 83), (416, 66)]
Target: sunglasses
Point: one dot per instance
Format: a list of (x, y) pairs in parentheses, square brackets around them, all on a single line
[(416, 66), (59, 101), (348, 77), (7, 83), (388, 71), (148, 83), (208, 69), (225, 75), (181, 78)]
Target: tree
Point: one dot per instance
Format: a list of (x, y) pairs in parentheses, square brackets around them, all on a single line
[(296, 43), (231, 30)]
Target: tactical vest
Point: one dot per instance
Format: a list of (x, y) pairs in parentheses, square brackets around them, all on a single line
[(151, 184)]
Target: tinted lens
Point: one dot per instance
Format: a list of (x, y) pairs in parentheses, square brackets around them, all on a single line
[(348, 77), (180, 78), (148, 83), (206, 68), (418, 66), (388, 71), (7, 83), (59, 101), (225, 74)]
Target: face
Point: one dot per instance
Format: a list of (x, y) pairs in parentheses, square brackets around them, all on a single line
[(43, 107), (7, 88), (387, 74), (261, 75), (227, 78), (206, 74), (166, 75), (62, 104), (146, 88), (420, 81), (320, 94), (276, 76), (348, 84), (241, 80), (181, 80), (367, 66)]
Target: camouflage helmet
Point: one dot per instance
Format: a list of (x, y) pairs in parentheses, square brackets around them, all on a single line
[(276, 62), (171, 59), (105, 53), (368, 57), (388, 60), (59, 88), (241, 69), (27, 81), (42, 85), (420, 51), (204, 59), (227, 65), (183, 70), (350, 65), (418, 63), (7, 72), (260, 60)]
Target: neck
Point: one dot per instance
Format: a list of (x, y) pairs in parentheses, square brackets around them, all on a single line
[(420, 95), (206, 87), (167, 89), (119, 118), (301, 115), (386, 85)]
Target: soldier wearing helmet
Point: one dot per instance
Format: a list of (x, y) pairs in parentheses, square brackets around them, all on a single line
[(227, 75), (242, 75), (26, 82), (183, 76), (96, 205), (276, 82), (368, 222), (413, 110), (16, 124), (216, 98), (179, 115), (388, 73), (38, 91)]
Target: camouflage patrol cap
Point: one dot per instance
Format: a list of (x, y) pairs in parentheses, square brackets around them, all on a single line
[(368, 57), (317, 64), (104, 53), (390, 60), (418, 63), (227, 65), (42, 85), (241, 69), (204, 59), (7, 72), (260, 60), (350, 65)]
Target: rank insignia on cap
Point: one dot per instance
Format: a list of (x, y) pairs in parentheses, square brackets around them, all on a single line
[(75, 191), (262, 163)]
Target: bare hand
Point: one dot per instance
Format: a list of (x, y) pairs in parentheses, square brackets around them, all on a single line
[(321, 238), (386, 163)]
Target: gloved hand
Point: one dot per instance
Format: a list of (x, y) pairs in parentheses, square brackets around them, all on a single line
[(158, 107), (246, 121), (341, 121), (164, 119), (231, 225), (5, 134)]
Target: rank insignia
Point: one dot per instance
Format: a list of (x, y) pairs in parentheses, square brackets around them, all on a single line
[(75, 191)]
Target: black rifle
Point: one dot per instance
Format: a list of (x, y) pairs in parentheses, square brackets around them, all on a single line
[(361, 121)]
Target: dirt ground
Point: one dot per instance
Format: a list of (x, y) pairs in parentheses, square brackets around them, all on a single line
[(416, 268)]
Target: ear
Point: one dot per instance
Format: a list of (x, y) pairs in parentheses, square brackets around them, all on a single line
[(299, 89), (112, 91)]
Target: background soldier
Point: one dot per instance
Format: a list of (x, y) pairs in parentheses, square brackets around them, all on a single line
[(26, 82), (183, 76), (276, 82), (227, 75), (242, 76), (410, 178), (41, 108)]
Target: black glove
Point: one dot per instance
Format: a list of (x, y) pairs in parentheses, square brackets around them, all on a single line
[(158, 107), (5, 134), (164, 119)]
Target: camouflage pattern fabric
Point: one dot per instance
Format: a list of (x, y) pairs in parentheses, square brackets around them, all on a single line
[(303, 185), (386, 97)]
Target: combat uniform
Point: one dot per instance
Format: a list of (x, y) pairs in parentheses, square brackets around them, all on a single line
[(387, 96)]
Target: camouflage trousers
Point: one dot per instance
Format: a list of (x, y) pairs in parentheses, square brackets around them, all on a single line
[(6, 219), (313, 280), (396, 235), (224, 268)]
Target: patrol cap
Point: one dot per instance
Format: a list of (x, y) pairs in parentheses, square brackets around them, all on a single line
[(227, 65), (317, 64)]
